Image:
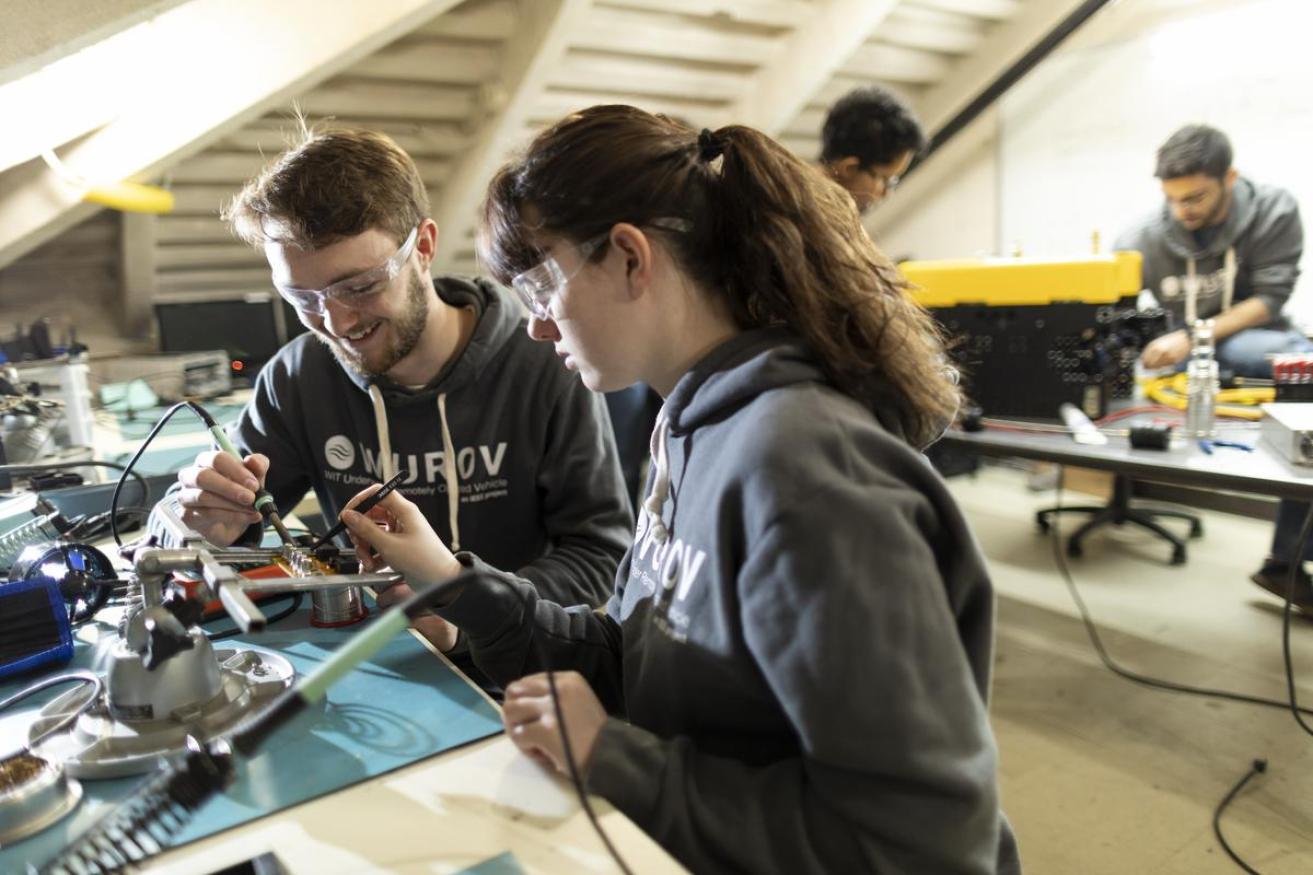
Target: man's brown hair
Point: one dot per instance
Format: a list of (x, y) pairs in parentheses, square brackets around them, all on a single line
[(333, 184)]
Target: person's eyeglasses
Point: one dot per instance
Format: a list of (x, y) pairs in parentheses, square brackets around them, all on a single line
[(538, 285), (889, 182), (354, 291)]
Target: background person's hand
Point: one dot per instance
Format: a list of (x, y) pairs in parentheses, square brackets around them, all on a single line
[(1166, 351), (530, 719), (218, 494)]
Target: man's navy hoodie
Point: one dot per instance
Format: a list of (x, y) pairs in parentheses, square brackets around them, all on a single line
[(532, 449)]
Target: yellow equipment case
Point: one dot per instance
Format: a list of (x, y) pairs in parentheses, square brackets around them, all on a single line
[(1030, 335)]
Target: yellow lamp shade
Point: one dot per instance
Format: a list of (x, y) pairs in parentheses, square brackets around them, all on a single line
[(131, 197)]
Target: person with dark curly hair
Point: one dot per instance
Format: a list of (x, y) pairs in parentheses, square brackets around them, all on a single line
[(867, 143)]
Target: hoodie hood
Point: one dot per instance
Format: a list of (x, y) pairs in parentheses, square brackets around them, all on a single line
[(758, 361), (497, 319), (729, 377)]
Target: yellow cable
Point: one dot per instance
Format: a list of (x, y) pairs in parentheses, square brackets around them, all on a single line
[(1171, 392)]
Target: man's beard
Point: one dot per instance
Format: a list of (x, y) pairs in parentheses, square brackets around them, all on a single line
[(407, 327), (1218, 215)]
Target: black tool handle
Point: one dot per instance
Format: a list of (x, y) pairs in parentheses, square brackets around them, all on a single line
[(364, 507)]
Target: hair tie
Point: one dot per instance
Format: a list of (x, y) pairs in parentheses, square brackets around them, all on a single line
[(710, 147)]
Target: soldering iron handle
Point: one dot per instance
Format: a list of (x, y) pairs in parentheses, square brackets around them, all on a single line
[(264, 502)]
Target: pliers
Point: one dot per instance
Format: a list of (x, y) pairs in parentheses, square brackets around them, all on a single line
[(1207, 445)]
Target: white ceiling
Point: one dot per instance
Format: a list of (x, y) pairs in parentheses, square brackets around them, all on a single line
[(460, 86)]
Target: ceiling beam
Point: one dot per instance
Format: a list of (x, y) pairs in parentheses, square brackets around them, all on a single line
[(937, 105), (996, 10), (40, 32), (528, 58), (806, 60), (229, 62), (1002, 48), (768, 13)]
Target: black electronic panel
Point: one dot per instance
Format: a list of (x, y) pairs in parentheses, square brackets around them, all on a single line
[(251, 330)]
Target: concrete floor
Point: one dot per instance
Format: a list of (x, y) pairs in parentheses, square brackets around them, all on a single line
[(1101, 775)]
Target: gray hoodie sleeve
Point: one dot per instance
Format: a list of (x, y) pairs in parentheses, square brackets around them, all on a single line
[(1278, 244), (855, 635), (511, 631), (585, 511)]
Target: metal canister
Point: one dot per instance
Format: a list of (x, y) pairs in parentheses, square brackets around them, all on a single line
[(1201, 382), (337, 606)]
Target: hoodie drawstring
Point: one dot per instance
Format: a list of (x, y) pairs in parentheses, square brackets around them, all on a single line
[(656, 498), (384, 438), (450, 472), (1192, 286), (448, 457)]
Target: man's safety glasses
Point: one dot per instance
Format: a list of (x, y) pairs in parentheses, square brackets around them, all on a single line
[(354, 291)]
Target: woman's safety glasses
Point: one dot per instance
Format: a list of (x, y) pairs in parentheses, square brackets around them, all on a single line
[(354, 291), (537, 285)]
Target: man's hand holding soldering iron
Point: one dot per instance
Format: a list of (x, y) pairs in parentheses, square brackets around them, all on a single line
[(218, 494)]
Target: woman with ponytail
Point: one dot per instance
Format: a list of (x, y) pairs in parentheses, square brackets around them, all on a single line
[(792, 674)]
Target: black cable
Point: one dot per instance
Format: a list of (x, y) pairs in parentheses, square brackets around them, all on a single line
[(575, 778), (85, 677), (114, 500), (1257, 767), (1145, 680), (95, 526), (31, 468), (574, 768), (1296, 562)]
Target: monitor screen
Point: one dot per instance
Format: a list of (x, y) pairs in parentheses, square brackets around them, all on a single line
[(250, 329)]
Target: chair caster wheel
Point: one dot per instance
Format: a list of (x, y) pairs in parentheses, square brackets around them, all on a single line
[(1074, 550), (1196, 529), (1178, 556)]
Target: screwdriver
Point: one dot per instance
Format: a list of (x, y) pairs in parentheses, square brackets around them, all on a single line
[(264, 502), (364, 507)]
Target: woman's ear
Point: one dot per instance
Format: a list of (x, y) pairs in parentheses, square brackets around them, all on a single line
[(636, 250)]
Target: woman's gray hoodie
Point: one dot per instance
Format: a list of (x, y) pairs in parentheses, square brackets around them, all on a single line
[(797, 654)]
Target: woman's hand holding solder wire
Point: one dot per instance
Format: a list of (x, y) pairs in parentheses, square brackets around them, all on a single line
[(395, 534)]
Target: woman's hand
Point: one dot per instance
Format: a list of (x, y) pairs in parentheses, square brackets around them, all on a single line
[(438, 631), (403, 539), (531, 723)]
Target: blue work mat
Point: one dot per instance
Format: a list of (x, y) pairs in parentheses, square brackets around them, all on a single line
[(402, 706)]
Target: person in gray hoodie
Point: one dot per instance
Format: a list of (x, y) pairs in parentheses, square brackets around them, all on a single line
[(1226, 249), (792, 675), (1221, 247), (506, 452)]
